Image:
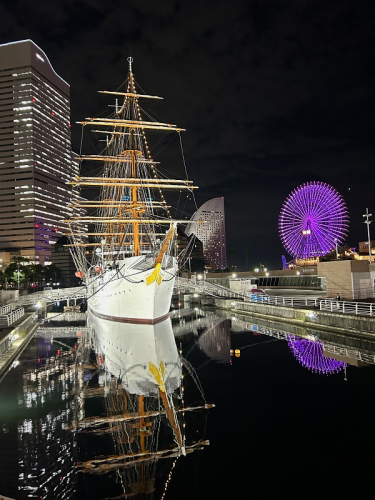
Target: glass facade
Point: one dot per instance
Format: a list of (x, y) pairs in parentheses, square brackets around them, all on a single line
[(314, 282), (209, 228)]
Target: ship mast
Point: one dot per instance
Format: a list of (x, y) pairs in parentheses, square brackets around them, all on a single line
[(127, 217), (135, 208)]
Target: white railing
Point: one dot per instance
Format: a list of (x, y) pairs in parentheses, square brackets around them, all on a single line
[(308, 302), (7, 308), (9, 318), (342, 306), (51, 296)]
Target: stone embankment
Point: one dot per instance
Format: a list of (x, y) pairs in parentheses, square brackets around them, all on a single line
[(14, 340), (310, 317)]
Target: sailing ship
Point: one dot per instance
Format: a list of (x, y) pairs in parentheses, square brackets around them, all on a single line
[(130, 260)]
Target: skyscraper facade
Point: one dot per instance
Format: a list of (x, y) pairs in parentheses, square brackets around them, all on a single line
[(35, 152), (209, 227)]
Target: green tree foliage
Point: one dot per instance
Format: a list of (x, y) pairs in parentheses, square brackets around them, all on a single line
[(29, 272)]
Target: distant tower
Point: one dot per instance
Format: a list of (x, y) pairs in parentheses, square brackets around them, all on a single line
[(35, 152), (210, 230)]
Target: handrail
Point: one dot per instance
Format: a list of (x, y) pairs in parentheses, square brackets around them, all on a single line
[(323, 304)]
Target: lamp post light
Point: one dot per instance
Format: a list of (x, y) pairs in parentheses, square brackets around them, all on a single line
[(368, 222), (196, 312)]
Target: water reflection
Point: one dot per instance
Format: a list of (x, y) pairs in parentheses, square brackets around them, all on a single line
[(310, 354), (86, 417), (110, 401), (139, 376), (38, 453), (322, 351)]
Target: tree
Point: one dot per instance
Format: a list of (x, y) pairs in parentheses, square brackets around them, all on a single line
[(15, 272), (53, 273)]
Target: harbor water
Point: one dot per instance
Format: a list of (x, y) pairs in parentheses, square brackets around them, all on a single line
[(241, 408)]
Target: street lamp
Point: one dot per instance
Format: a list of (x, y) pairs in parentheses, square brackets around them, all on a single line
[(368, 222), (337, 253), (196, 312)]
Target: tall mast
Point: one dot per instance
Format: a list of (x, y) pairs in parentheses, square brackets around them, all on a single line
[(135, 212), (127, 215)]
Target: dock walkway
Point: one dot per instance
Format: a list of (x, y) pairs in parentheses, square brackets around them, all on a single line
[(14, 339)]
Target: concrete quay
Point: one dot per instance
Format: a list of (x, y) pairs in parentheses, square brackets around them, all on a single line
[(311, 317), (14, 339)]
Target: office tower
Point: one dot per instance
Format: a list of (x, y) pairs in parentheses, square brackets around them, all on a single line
[(35, 152), (209, 227), (190, 251), (62, 258)]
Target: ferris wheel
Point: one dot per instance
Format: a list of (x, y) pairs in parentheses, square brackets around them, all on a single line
[(313, 220)]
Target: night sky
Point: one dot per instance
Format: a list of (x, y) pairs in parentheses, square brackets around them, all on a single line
[(272, 94)]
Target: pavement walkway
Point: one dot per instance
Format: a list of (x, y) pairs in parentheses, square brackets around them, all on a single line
[(22, 331)]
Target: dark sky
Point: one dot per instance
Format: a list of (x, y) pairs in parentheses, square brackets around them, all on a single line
[(272, 94)]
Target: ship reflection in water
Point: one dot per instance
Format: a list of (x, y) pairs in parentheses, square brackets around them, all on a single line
[(138, 373)]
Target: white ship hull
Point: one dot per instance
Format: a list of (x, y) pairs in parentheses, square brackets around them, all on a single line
[(130, 295)]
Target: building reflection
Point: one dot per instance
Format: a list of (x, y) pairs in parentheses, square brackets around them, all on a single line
[(321, 351), (215, 342), (46, 450)]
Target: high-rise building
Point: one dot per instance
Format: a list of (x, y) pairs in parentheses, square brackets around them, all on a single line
[(35, 152), (209, 227)]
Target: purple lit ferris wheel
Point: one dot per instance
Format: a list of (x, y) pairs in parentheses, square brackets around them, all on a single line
[(313, 220)]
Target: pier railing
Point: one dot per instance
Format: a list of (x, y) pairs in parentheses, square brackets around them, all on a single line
[(11, 316), (307, 302)]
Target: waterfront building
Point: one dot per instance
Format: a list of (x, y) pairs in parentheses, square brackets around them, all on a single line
[(35, 152), (209, 228), (61, 256), (351, 279), (364, 250), (190, 251)]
